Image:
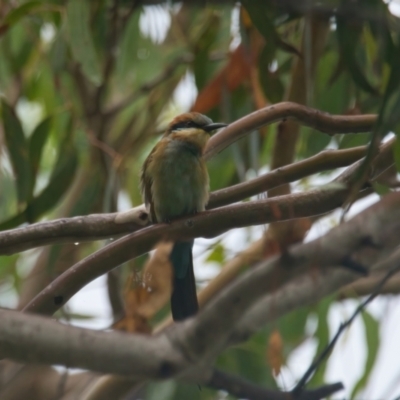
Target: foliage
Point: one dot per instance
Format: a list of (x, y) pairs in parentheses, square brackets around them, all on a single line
[(101, 79)]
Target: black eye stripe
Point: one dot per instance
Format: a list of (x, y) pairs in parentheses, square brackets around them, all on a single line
[(184, 124)]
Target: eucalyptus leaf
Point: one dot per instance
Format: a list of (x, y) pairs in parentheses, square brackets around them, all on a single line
[(81, 41), (18, 150), (372, 336)]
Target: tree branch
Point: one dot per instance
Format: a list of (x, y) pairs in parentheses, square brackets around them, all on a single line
[(305, 291), (323, 161), (185, 350), (364, 240), (206, 224), (148, 86), (100, 226), (365, 286), (324, 122), (242, 388), (325, 353)]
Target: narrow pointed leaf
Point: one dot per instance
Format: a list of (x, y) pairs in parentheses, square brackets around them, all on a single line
[(371, 326), (17, 13), (81, 41), (348, 38), (36, 144), (59, 183), (19, 153)]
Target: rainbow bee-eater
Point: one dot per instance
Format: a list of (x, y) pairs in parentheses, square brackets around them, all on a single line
[(175, 183)]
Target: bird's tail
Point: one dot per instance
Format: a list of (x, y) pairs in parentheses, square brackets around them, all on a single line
[(184, 298)]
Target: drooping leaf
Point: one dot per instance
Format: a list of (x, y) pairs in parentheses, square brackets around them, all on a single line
[(58, 54), (19, 152), (126, 62), (371, 326), (348, 34), (17, 13), (270, 81), (81, 41), (322, 335), (202, 44), (36, 144), (261, 17), (60, 180)]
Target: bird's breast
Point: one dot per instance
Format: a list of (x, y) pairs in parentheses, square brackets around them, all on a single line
[(180, 183)]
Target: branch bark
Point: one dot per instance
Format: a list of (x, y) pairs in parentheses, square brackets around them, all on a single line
[(100, 226), (324, 122), (206, 224), (186, 350)]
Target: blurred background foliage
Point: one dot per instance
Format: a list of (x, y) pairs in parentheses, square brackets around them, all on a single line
[(88, 86)]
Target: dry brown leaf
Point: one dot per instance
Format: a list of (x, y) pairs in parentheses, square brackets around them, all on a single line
[(229, 78), (157, 280), (275, 352), (147, 293)]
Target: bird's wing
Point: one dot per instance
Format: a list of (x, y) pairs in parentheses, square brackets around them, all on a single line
[(146, 182)]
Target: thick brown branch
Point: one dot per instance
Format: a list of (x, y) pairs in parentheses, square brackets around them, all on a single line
[(185, 350), (30, 338), (365, 286), (305, 291), (365, 240), (100, 226), (69, 230), (324, 122), (326, 160), (207, 224)]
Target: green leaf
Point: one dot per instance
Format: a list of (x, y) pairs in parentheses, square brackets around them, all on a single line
[(260, 14), (349, 140), (396, 152), (322, 335), (312, 142), (58, 53), (292, 325), (348, 34), (270, 81), (204, 39), (217, 255), (164, 390), (81, 41), (60, 180), (36, 144), (19, 153), (381, 190), (372, 336), (126, 62), (17, 13)]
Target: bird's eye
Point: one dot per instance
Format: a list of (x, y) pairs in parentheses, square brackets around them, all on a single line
[(184, 125)]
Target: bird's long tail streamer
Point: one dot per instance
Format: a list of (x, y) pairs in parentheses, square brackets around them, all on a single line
[(184, 302)]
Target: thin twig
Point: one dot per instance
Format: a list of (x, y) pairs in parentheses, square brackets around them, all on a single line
[(148, 86), (242, 388), (317, 362)]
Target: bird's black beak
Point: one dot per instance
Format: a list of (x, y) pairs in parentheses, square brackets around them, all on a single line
[(212, 127)]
